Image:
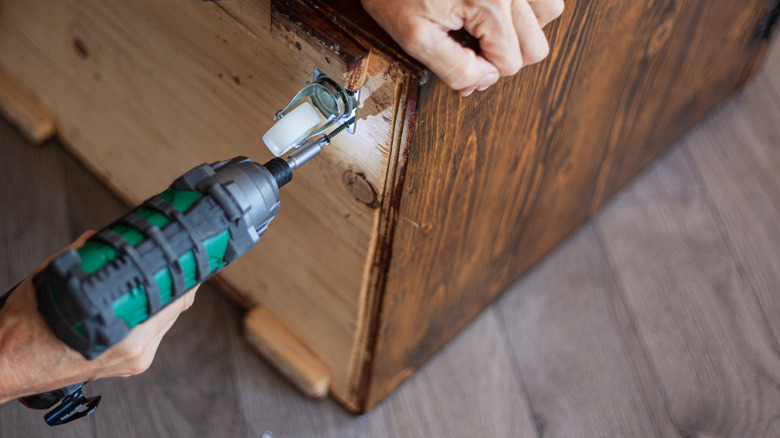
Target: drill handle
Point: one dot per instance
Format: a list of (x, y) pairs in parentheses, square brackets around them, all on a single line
[(92, 297)]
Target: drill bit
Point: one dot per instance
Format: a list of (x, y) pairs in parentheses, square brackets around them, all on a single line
[(314, 146)]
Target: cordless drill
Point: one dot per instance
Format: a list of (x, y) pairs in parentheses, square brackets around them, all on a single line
[(93, 296)]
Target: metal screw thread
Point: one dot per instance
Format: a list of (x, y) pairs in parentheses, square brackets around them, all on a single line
[(340, 128)]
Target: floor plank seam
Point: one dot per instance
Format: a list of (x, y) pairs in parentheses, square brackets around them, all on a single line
[(69, 180), (774, 91), (633, 328), (233, 344), (735, 259), (517, 372)]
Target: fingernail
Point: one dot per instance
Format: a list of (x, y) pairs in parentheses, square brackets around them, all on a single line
[(467, 91), (487, 81)]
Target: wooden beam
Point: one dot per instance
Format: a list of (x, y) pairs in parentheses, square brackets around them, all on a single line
[(25, 110), (286, 352)]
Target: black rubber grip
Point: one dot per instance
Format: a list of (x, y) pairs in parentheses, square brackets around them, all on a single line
[(79, 307)]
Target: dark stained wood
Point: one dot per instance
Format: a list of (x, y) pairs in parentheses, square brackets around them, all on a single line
[(291, 20), (350, 16), (495, 181)]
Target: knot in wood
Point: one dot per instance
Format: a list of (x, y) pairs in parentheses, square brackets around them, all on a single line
[(360, 188)]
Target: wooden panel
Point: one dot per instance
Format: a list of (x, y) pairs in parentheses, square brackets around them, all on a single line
[(146, 90), (496, 180)]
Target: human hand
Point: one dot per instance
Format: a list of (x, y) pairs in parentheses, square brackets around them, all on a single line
[(33, 360), (509, 32)]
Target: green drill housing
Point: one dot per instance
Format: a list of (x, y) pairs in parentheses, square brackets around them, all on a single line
[(92, 297)]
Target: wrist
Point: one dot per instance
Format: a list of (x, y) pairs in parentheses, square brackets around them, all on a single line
[(13, 369), (30, 355)]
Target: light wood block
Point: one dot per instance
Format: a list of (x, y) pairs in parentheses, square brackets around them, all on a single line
[(283, 349), (22, 108)]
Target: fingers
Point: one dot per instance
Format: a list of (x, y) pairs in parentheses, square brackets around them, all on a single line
[(546, 10), (491, 23), (188, 299), (509, 32), (459, 67), (533, 42)]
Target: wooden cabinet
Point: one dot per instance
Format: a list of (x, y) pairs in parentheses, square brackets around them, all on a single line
[(393, 239)]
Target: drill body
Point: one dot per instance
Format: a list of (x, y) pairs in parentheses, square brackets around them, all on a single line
[(93, 296)]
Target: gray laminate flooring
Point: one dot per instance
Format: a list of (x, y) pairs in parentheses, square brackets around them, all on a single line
[(659, 317)]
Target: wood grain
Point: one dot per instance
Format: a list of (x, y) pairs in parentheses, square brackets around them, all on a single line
[(486, 196)]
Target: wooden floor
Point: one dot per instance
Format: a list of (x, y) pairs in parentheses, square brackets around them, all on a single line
[(659, 317)]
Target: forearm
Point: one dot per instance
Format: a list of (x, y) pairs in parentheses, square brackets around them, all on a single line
[(20, 372), (12, 363)]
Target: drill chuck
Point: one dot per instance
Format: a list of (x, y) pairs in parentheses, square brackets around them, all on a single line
[(93, 296)]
